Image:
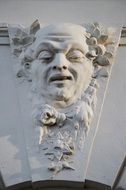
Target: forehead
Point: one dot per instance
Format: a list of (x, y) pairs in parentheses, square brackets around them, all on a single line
[(61, 34)]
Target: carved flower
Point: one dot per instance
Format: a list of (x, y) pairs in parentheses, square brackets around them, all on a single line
[(50, 116), (100, 41)]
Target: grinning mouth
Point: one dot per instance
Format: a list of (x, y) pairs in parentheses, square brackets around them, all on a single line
[(59, 78)]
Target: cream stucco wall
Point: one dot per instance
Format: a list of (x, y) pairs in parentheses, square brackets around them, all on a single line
[(25, 11)]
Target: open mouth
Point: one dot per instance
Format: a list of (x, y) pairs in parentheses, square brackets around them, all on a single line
[(59, 78)]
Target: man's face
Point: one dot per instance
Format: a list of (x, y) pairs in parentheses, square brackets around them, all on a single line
[(61, 68)]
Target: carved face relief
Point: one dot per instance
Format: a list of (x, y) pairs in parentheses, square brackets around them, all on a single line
[(64, 65), (61, 69)]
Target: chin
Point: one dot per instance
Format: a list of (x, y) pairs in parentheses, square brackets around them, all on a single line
[(65, 95), (60, 94)]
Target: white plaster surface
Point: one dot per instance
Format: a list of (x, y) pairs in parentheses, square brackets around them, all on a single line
[(13, 159), (110, 143), (122, 181)]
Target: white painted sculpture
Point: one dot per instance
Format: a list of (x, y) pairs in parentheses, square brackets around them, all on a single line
[(63, 63)]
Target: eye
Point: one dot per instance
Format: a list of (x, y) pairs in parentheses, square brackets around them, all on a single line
[(75, 56), (45, 56)]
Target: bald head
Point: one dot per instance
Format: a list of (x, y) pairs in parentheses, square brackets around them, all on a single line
[(60, 33)]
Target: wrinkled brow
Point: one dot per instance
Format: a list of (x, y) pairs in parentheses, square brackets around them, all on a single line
[(57, 47), (45, 46), (60, 37), (52, 46), (61, 34)]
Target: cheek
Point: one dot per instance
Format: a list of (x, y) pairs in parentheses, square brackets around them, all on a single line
[(87, 68), (38, 69), (84, 71)]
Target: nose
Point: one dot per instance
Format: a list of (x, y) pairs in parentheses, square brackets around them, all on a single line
[(60, 62)]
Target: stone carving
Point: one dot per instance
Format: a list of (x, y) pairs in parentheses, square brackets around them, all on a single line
[(22, 37), (63, 62)]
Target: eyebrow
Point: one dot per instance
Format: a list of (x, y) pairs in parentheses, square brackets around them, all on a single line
[(46, 46), (52, 47)]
